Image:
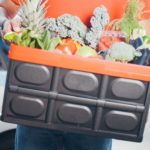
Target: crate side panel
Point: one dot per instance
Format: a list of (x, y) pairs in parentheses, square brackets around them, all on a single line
[(78, 83), (127, 90), (122, 122), (26, 106), (74, 115), (30, 75)]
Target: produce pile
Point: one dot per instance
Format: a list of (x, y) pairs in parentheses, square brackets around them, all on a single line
[(123, 40)]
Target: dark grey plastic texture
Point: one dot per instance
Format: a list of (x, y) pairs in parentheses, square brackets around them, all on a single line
[(75, 101), (22, 105)]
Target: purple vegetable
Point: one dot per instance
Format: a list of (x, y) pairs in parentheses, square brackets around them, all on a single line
[(136, 42)]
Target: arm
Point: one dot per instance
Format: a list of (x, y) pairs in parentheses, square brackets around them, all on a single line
[(3, 16), (10, 7)]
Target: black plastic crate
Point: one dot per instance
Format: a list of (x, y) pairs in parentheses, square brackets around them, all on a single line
[(75, 101)]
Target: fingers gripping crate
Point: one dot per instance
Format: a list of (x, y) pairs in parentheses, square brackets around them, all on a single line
[(73, 94)]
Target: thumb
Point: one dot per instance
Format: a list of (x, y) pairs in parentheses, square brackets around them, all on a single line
[(7, 27)]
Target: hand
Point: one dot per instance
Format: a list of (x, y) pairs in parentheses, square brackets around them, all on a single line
[(10, 7), (13, 25)]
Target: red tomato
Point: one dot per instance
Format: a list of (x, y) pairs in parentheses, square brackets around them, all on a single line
[(106, 41), (68, 46)]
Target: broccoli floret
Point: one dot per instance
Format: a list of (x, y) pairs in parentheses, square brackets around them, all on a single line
[(102, 15), (68, 26), (67, 20), (122, 52), (98, 22), (93, 38), (62, 31), (74, 35), (52, 25)]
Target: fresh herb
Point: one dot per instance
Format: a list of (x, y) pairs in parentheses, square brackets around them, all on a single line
[(130, 20), (47, 43)]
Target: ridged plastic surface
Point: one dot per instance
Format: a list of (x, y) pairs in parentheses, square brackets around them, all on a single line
[(75, 101)]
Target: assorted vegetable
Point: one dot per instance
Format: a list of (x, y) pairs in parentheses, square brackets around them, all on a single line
[(106, 41), (86, 51), (122, 52), (68, 25), (98, 22), (68, 46), (123, 40), (129, 22)]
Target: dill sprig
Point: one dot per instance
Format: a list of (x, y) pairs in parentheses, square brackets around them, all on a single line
[(130, 19)]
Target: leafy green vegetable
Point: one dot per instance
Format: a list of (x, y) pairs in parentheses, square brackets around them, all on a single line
[(54, 42), (10, 36), (130, 19), (47, 43), (44, 40), (146, 39), (25, 39), (34, 32), (129, 22), (33, 44)]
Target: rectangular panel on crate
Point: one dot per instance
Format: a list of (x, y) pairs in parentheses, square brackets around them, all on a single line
[(77, 83), (122, 122), (127, 90), (73, 114), (25, 107), (30, 75)]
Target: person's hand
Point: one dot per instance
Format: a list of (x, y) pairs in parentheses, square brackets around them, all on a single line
[(10, 7), (12, 25)]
